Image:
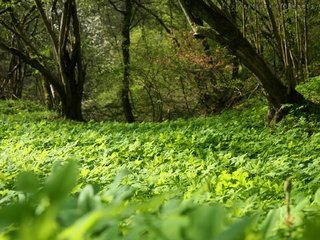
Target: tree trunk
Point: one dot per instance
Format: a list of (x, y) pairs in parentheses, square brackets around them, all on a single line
[(48, 94), (16, 77), (71, 106), (125, 91), (225, 32), (235, 61), (16, 72), (68, 79)]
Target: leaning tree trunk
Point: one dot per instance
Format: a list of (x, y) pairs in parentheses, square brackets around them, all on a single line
[(225, 32)]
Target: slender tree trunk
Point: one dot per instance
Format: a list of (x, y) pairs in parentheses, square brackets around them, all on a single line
[(16, 72), (125, 91), (306, 37), (48, 94), (19, 79), (16, 77), (235, 60)]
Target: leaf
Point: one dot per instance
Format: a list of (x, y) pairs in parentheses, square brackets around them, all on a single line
[(61, 181), (237, 230), (27, 182), (269, 224), (317, 197), (206, 222), (83, 225), (15, 213), (87, 201)]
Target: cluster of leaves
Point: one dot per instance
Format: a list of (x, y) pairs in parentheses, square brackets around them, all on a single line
[(107, 215), (24, 111), (310, 88), (171, 175)]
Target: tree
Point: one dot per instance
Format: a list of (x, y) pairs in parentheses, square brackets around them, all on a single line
[(12, 81), (223, 30), (63, 29), (127, 15), (13, 75)]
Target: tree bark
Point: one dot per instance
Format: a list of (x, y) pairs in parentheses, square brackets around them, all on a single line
[(16, 77), (125, 91), (48, 94), (67, 50), (225, 32), (69, 77), (235, 60)]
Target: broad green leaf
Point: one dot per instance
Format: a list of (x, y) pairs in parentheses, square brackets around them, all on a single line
[(27, 182), (61, 181)]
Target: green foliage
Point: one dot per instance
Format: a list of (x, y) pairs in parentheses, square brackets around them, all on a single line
[(310, 89), (208, 178), (23, 111)]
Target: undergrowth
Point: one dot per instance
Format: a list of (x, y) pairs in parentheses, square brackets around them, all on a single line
[(208, 178)]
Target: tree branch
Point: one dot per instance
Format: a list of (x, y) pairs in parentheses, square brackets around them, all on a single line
[(76, 56), (33, 63), (157, 18), (20, 35), (64, 26), (5, 10), (48, 26), (116, 8)]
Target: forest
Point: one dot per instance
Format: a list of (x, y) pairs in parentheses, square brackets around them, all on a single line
[(169, 119)]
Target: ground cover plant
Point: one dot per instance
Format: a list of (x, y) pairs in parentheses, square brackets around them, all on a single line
[(218, 177)]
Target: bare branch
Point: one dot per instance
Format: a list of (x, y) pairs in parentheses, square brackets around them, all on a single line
[(20, 34), (5, 10), (157, 18), (255, 9), (116, 7), (33, 62), (76, 54), (48, 25), (64, 26)]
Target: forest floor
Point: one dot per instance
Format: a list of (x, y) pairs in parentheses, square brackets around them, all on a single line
[(219, 177)]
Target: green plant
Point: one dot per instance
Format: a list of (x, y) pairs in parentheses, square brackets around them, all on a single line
[(179, 171)]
